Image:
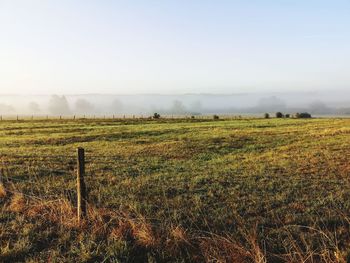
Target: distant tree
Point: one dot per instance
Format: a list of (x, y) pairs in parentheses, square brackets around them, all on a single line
[(84, 107), (117, 106), (266, 116), (287, 115), (6, 109), (58, 105), (178, 107), (303, 115), (196, 107), (216, 117), (279, 115), (34, 107), (156, 115)]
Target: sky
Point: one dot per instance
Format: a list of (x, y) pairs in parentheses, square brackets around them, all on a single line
[(173, 46)]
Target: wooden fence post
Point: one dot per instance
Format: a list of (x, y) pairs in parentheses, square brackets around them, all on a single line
[(81, 188)]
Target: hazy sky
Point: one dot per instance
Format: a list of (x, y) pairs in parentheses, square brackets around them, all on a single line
[(173, 46)]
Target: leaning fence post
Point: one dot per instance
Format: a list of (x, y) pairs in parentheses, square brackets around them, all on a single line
[(81, 188)]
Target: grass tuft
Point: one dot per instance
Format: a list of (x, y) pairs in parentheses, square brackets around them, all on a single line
[(17, 203), (3, 192)]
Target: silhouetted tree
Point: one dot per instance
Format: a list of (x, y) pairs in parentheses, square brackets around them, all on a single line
[(303, 115), (196, 107), (58, 105), (34, 107), (84, 107), (117, 106), (6, 109), (156, 115), (279, 115), (178, 107)]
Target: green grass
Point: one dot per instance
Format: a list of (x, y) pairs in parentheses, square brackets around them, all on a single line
[(184, 190)]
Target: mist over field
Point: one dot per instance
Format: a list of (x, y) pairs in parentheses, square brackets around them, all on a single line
[(321, 102)]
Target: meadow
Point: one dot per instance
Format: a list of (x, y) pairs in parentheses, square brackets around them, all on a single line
[(176, 190)]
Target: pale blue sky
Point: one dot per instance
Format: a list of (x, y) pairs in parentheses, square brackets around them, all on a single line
[(179, 46)]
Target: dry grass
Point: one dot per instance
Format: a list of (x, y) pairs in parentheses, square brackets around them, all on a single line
[(201, 246), (58, 211), (17, 203), (143, 233), (179, 235), (224, 249), (178, 191), (134, 228), (3, 192)]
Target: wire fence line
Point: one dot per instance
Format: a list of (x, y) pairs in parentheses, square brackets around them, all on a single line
[(205, 116), (53, 164), (30, 175)]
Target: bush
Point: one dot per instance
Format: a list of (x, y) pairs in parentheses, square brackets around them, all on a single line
[(216, 117), (287, 115), (303, 115), (156, 115), (267, 116), (279, 115), (193, 117)]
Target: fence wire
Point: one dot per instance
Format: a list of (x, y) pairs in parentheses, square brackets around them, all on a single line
[(37, 176)]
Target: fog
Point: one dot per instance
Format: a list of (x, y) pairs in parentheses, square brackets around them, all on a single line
[(321, 103)]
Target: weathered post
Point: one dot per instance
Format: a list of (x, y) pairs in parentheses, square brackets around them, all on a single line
[(81, 188)]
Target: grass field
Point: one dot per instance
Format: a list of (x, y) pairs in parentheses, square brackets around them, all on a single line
[(249, 190)]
